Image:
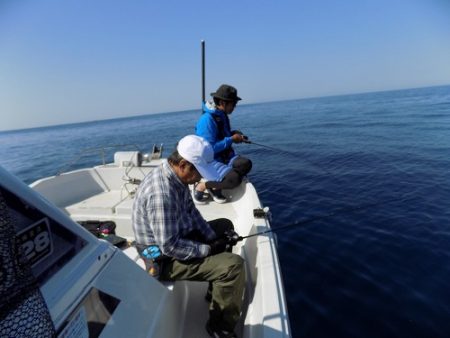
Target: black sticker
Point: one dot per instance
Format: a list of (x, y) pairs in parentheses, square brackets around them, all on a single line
[(36, 241)]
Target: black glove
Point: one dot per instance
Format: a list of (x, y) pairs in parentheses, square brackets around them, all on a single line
[(218, 246), (232, 237)]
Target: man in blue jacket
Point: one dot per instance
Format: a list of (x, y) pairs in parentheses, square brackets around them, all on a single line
[(214, 126)]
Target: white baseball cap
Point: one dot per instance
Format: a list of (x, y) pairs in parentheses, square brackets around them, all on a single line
[(200, 153)]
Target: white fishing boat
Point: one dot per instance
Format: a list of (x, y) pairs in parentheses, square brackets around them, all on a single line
[(93, 288)]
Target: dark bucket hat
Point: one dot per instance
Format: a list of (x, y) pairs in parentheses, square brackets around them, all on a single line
[(226, 93)]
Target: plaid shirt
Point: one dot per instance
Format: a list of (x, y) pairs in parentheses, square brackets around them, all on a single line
[(164, 214)]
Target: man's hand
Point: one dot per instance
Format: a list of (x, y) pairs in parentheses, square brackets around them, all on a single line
[(218, 246), (232, 237), (222, 244), (238, 138)]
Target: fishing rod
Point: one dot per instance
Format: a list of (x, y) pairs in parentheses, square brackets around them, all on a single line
[(268, 147), (246, 140), (321, 217)]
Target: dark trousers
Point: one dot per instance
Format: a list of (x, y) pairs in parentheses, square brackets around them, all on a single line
[(241, 167), (226, 273)]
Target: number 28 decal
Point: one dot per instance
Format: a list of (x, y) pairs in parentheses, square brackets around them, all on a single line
[(36, 241)]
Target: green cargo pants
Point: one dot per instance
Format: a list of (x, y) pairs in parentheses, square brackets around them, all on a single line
[(226, 274)]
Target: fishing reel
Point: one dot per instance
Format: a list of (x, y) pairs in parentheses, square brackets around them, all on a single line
[(232, 237)]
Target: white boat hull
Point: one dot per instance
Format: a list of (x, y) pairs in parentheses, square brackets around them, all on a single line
[(147, 307)]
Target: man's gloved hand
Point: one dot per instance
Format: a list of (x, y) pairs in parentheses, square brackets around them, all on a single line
[(232, 237), (218, 246)]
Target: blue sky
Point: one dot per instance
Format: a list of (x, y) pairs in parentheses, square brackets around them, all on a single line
[(81, 60)]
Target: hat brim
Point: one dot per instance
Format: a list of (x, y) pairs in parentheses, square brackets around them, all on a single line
[(225, 99)]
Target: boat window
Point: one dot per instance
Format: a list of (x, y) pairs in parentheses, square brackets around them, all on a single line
[(46, 245)]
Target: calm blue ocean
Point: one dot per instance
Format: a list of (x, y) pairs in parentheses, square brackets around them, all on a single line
[(381, 270)]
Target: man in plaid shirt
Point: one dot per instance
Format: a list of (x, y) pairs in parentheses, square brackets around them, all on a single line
[(165, 215)]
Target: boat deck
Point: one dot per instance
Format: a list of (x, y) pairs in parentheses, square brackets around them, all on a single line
[(105, 193)]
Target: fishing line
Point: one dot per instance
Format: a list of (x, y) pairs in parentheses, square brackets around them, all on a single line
[(312, 219), (246, 140), (286, 152), (271, 148), (321, 217)]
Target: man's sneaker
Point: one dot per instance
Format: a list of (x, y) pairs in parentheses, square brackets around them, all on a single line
[(217, 196), (199, 196), (218, 333)]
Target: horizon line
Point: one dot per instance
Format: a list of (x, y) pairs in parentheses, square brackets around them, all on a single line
[(5, 131)]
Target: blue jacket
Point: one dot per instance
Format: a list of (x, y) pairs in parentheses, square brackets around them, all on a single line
[(214, 126)]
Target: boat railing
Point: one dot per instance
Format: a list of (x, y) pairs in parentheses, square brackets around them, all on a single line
[(156, 153)]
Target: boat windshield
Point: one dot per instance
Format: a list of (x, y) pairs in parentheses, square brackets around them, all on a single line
[(46, 244)]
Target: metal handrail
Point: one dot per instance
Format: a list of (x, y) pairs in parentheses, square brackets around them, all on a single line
[(87, 151)]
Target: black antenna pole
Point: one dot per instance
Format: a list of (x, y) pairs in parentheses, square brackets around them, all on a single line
[(203, 72)]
